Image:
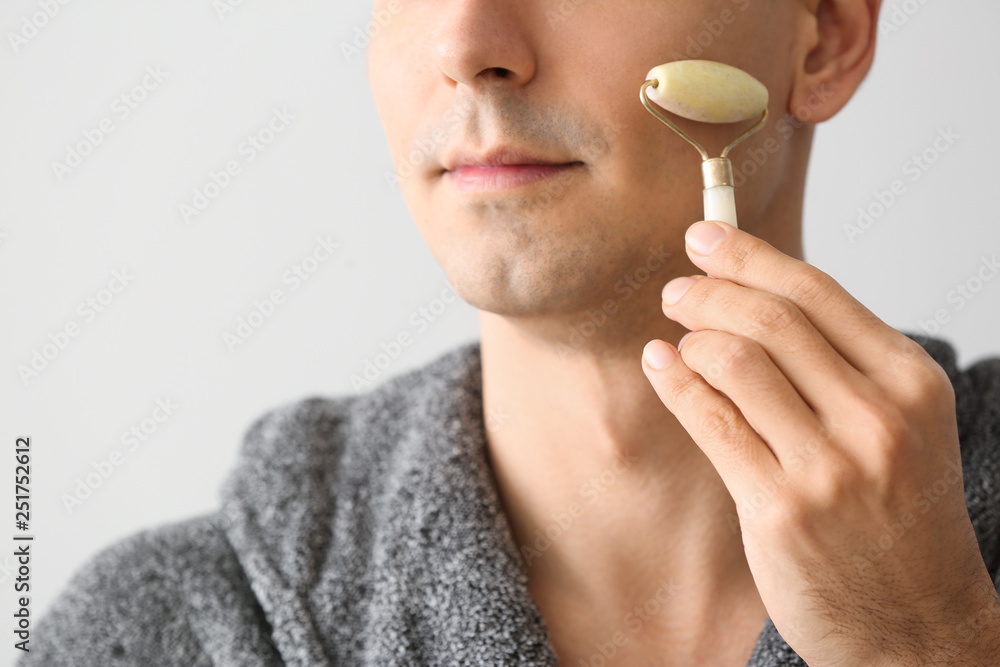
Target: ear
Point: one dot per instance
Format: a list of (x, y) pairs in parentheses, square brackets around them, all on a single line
[(835, 56)]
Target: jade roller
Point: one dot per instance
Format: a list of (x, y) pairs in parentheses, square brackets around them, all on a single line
[(708, 92)]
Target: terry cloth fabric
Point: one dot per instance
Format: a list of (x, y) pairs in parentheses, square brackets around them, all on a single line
[(367, 530)]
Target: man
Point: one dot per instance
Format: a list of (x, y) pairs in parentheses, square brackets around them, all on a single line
[(784, 490)]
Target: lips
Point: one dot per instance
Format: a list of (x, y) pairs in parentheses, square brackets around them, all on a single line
[(506, 177), (495, 157), (501, 168)]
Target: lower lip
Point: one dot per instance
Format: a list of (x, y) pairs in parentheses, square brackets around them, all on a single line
[(505, 177)]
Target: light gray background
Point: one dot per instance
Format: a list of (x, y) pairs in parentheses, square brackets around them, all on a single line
[(162, 336)]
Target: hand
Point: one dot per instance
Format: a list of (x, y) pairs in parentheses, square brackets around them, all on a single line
[(836, 435)]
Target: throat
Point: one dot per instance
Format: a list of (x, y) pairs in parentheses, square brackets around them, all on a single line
[(654, 628)]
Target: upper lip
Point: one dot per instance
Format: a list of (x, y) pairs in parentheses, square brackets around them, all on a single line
[(494, 157)]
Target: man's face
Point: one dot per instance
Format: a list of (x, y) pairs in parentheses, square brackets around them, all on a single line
[(559, 80)]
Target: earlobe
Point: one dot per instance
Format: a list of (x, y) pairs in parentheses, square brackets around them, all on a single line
[(838, 49)]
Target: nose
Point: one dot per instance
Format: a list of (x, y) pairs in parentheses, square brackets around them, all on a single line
[(485, 42)]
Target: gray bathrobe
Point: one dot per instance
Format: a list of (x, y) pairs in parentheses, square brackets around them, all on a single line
[(367, 530)]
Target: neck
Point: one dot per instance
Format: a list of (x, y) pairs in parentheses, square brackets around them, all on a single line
[(607, 495)]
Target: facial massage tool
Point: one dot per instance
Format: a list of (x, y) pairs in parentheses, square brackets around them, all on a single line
[(708, 92)]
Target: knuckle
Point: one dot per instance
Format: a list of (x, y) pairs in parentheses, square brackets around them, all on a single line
[(884, 425), (720, 423), (743, 357), (926, 385), (918, 380), (684, 387), (774, 316), (838, 481), (808, 287), (883, 473), (789, 511), (741, 257), (695, 341), (907, 352)]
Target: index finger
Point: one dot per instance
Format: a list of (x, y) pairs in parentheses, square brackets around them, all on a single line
[(724, 251)]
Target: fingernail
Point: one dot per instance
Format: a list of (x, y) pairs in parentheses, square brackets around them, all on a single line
[(704, 237), (680, 343), (658, 355), (675, 289)]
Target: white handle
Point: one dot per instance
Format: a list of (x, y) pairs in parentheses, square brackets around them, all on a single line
[(720, 204)]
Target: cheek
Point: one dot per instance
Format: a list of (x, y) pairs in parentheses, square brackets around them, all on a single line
[(647, 160), (398, 76), (642, 163), (381, 75), (607, 73)]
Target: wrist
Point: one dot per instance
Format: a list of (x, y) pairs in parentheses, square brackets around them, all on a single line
[(975, 639)]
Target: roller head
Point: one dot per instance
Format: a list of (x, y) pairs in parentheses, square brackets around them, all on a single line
[(707, 91)]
